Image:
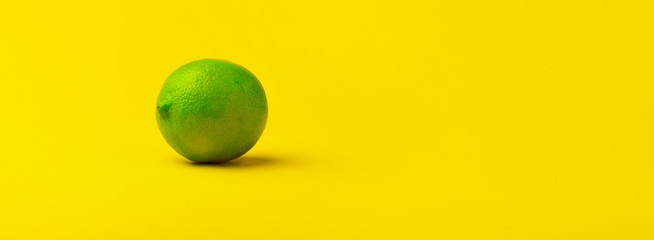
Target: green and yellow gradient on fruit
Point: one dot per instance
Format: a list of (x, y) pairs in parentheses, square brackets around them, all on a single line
[(211, 110)]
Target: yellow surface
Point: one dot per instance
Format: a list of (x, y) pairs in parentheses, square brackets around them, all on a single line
[(388, 120)]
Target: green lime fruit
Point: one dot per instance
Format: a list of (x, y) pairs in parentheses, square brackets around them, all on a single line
[(211, 110)]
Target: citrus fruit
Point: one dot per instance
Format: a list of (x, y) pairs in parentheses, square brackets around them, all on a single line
[(211, 110)]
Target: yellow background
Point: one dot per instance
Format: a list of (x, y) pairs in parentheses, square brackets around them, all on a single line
[(388, 120)]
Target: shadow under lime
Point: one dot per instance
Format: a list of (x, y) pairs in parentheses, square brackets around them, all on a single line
[(241, 162)]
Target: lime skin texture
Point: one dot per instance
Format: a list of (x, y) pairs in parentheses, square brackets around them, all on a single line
[(211, 110)]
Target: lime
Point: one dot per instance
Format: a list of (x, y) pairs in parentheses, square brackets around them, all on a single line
[(211, 110)]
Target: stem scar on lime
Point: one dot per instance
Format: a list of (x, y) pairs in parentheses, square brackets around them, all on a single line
[(162, 109)]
